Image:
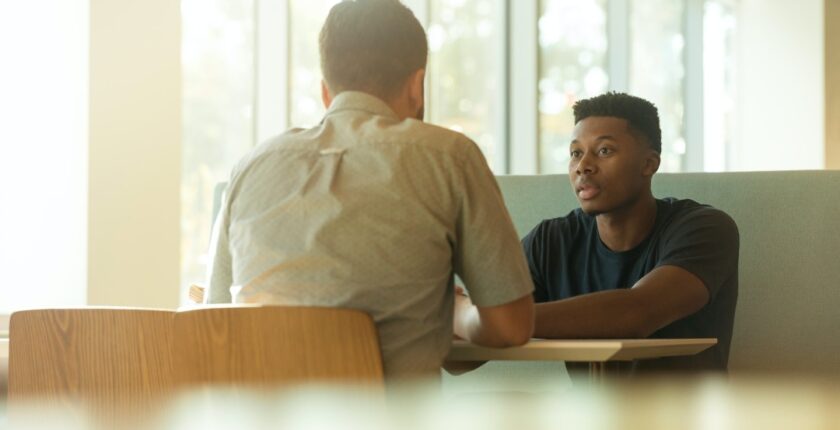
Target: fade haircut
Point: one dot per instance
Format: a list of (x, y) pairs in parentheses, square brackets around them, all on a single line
[(641, 115), (371, 46)]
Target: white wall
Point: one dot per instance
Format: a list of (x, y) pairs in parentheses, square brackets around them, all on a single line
[(43, 152), (90, 150), (135, 153), (780, 85)]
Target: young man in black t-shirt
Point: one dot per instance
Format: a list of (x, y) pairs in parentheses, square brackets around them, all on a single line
[(625, 264)]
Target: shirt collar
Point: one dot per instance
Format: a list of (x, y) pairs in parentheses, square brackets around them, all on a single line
[(356, 100)]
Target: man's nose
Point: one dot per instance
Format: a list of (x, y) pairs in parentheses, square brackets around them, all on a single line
[(585, 165)]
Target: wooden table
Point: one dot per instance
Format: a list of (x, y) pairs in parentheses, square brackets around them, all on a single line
[(595, 352)]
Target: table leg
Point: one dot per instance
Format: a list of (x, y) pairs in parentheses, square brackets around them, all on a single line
[(597, 372)]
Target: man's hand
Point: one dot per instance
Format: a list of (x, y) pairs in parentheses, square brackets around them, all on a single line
[(460, 367), (501, 326), (463, 304)]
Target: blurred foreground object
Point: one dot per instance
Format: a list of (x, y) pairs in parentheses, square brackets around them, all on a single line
[(678, 403)]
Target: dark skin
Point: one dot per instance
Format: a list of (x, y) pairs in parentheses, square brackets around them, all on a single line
[(610, 169)]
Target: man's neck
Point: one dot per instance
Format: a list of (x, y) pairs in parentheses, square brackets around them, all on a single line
[(625, 229)]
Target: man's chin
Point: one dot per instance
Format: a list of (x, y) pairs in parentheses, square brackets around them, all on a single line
[(590, 209)]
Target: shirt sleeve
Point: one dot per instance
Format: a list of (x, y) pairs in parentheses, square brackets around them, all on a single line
[(706, 243), (533, 245), (487, 254), (219, 271)]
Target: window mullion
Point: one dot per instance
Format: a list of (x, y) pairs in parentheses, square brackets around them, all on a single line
[(503, 22), (523, 78), (693, 98), (618, 44), (272, 63), (421, 9)]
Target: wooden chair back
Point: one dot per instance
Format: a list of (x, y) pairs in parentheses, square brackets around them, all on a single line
[(271, 346), (114, 362)]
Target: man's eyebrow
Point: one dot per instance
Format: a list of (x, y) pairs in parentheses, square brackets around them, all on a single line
[(605, 137), (597, 139)]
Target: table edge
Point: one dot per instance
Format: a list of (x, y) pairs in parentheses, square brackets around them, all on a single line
[(586, 350)]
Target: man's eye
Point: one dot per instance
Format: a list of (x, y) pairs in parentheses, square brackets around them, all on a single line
[(605, 151), (575, 154)]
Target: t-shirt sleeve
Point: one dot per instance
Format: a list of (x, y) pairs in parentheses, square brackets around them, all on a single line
[(534, 247), (704, 242), (487, 254)]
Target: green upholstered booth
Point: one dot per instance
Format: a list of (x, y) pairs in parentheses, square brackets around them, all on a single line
[(788, 313)]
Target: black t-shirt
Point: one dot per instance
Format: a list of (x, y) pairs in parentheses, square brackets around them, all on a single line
[(567, 258)]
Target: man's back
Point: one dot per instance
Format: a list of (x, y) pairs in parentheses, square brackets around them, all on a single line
[(369, 212)]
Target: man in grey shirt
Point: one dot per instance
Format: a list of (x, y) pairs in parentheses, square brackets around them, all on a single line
[(375, 210)]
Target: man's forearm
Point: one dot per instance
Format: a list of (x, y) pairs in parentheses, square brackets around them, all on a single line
[(468, 325), (607, 315), (499, 326), (666, 294)]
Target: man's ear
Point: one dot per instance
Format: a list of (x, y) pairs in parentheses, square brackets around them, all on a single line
[(326, 98), (652, 162), (417, 89)]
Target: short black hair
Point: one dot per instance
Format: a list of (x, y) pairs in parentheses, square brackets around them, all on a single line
[(641, 115), (371, 46)]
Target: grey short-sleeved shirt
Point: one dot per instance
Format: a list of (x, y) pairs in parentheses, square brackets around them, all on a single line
[(368, 212)]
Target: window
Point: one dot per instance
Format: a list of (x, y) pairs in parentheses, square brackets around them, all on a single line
[(218, 109), (719, 27), (573, 65), (657, 72), (466, 72), (463, 41), (305, 66), (505, 73)]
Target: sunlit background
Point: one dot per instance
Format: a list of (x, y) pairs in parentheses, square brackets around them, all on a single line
[(728, 76), (585, 47)]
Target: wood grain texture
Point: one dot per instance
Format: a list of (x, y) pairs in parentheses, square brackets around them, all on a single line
[(832, 84), (116, 362), (270, 346)]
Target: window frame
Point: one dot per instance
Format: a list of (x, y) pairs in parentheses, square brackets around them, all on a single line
[(518, 120), (4, 325), (272, 105), (518, 129)]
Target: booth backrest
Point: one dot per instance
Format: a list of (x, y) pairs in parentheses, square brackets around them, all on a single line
[(787, 316), (788, 312)]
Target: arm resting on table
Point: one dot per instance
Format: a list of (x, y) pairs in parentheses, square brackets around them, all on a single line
[(510, 324), (665, 295)]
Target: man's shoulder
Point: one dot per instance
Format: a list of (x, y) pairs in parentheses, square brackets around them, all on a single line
[(415, 140), (290, 140), (431, 137), (688, 218), (691, 211)]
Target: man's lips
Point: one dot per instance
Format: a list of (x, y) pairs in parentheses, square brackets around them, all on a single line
[(587, 191)]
